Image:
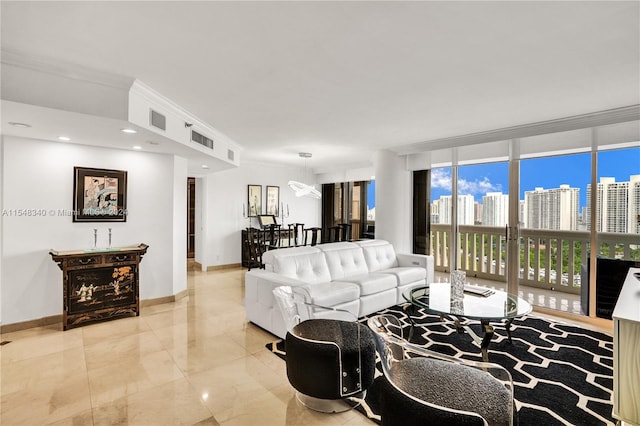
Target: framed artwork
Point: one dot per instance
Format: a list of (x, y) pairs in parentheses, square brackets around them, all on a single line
[(99, 195), (273, 200), (255, 200)]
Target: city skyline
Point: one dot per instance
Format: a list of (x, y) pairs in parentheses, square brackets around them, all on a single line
[(547, 173)]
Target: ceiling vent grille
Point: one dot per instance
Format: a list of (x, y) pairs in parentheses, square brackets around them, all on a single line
[(157, 120), (201, 139), (230, 155)]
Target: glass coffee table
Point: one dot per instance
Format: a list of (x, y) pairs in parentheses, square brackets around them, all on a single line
[(477, 304)]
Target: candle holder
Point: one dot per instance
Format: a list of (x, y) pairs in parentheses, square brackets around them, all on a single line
[(95, 238), (109, 237)]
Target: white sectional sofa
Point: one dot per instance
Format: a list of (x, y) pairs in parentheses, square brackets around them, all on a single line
[(361, 277)]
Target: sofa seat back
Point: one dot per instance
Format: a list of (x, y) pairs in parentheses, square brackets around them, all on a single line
[(344, 259), (306, 264), (378, 254)]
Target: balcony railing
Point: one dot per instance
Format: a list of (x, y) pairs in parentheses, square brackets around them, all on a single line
[(548, 259)]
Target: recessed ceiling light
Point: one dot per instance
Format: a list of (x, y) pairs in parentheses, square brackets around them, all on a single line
[(64, 138), (204, 166), (17, 124), (128, 131), (137, 147)]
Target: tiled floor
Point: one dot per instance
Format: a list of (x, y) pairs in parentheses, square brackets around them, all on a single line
[(196, 361)]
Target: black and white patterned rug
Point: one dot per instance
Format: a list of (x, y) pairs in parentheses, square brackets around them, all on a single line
[(562, 375)]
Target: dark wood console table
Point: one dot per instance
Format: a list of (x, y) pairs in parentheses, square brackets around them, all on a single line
[(99, 284)]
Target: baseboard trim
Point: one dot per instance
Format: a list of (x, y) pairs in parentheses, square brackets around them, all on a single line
[(24, 325), (157, 301), (57, 319), (220, 267)]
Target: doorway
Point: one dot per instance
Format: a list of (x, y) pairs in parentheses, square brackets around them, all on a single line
[(191, 217)]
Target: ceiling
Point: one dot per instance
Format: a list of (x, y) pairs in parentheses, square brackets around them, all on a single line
[(344, 79)]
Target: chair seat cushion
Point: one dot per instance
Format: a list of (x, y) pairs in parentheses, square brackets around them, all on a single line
[(407, 274), (373, 283), (453, 386)]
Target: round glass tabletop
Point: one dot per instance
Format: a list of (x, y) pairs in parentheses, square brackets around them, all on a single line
[(490, 305)]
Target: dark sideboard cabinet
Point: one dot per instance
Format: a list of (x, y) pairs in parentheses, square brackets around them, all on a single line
[(99, 284), (610, 275)]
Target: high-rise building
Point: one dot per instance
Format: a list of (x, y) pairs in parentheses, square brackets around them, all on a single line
[(552, 208), (495, 209), (618, 209), (441, 210)]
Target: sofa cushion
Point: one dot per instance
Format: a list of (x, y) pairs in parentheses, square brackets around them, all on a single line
[(268, 257), (406, 275), (379, 255), (329, 294), (373, 283), (345, 260), (310, 267)]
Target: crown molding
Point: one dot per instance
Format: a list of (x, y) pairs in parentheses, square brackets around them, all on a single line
[(601, 118), (64, 69)]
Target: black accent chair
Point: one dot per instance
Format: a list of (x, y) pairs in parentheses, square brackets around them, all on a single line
[(328, 359), (370, 233), (315, 236), (255, 246), (425, 387)]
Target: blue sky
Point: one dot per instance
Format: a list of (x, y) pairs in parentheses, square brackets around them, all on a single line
[(548, 173)]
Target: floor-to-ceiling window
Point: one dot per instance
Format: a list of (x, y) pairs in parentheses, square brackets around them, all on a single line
[(554, 238), (483, 213), (547, 182)]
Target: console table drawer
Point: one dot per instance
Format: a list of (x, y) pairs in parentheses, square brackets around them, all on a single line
[(84, 260), (120, 257)]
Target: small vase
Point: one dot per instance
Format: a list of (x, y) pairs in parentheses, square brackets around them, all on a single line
[(458, 281)]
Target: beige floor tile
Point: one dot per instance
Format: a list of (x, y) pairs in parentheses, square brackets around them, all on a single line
[(174, 403), (38, 345), (45, 372), (124, 378), (229, 386), (47, 404), (204, 354), (120, 349), (96, 333), (84, 418)]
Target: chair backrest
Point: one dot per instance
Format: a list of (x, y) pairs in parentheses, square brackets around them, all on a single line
[(413, 371), (255, 244), (288, 307)]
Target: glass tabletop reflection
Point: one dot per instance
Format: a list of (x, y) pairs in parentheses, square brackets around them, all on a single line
[(496, 305)]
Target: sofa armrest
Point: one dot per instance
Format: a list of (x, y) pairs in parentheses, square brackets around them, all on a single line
[(419, 261)]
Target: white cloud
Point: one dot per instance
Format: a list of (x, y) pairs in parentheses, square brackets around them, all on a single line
[(441, 178)]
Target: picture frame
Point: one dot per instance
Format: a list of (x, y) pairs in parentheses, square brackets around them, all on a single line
[(273, 200), (99, 195), (254, 200)]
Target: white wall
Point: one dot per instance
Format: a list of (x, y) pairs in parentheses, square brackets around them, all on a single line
[(39, 175), (394, 203), (226, 192), (180, 167)]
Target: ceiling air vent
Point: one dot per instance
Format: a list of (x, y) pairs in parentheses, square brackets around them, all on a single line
[(157, 120), (201, 139), (230, 155)]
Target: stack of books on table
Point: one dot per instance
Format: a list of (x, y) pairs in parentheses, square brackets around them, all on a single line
[(478, 291)]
